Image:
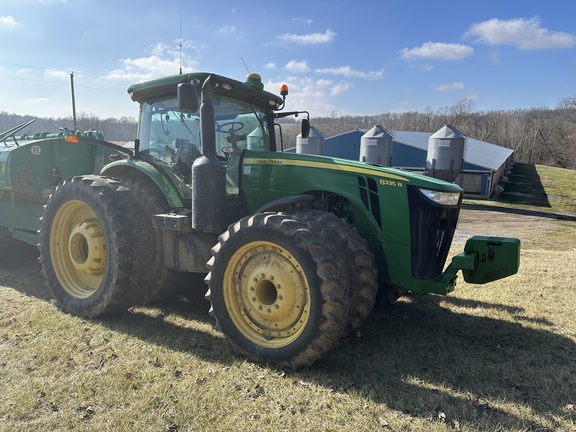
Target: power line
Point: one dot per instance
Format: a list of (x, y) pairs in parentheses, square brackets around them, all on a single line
[(35, 80), (62, 83), (62, 70)]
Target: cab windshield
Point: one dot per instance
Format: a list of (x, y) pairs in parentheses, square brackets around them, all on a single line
[(170, 139)]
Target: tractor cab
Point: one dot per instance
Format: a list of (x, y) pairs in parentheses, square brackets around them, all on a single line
[(170, 126)]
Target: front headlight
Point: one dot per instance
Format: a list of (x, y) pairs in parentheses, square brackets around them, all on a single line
[(442, 198)]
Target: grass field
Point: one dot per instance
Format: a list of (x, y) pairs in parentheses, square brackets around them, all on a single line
[(499, 357)]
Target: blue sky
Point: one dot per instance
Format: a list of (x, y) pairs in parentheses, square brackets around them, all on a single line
[(338, 58)]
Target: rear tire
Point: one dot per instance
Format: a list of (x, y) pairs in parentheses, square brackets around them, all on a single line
[(91, 242), (276, 290), (162, 281)]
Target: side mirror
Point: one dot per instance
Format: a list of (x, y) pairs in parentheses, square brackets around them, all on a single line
[(188, 98), (305, 132)]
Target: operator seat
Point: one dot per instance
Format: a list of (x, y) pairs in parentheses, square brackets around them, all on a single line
[(185, 153)]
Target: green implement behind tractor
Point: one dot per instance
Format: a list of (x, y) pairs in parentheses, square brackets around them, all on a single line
[(295, 247)]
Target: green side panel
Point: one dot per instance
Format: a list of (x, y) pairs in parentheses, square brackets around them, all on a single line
[(377, 196), (30, 171), (20, 215)]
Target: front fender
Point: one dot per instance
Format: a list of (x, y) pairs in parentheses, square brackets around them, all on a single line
[(283, 203), (129, 167)]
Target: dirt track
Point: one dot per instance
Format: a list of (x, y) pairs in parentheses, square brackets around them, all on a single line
[(478, 219)]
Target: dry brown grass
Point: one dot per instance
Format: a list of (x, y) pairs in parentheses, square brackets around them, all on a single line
[(499, 357)]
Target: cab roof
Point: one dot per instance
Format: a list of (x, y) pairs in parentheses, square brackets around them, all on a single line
[(161, 88)]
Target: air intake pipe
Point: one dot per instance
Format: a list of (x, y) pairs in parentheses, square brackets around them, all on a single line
[(208, 172)]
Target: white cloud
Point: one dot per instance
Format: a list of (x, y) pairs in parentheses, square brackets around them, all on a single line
[(323, 83), (526, 34), (231, 31), (438, 50), (163, 60), (297, 66), (341, 87), (36, 101), (348, 72), (314, 94), (473, 96), (270, 66), (449, 86), (53, 73), (309, 39), (8, 22), (226, 30), (303, 20)]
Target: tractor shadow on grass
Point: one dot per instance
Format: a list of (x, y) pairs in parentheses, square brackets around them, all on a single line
[(179, 322), (21, 270), (426, 361), (416, 357)]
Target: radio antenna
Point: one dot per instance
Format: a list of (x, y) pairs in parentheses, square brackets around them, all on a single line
[(248, 70), (180, 44)]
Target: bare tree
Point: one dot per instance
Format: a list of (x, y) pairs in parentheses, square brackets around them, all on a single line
[(537, 135)]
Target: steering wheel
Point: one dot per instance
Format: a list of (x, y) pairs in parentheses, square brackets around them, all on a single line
[(232, 130)]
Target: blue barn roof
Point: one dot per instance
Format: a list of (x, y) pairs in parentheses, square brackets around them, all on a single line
[(409, 150)]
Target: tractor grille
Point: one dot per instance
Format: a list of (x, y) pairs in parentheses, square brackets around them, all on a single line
[(432, 228)]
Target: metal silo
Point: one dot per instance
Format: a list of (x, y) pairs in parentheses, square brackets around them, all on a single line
[(445, 158), (376, 147), (255, 140), (314, 144)]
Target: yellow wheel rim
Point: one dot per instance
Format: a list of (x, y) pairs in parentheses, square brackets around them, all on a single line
[(78, 249), (267, 294)]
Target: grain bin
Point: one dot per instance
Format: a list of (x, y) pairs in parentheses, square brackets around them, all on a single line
[(376, 147), (445, 157), (314, 144), (255, 140)]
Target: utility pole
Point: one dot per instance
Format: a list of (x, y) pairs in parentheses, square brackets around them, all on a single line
[(73, 101)]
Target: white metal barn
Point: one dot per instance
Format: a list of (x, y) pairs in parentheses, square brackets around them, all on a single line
[(483, 167)]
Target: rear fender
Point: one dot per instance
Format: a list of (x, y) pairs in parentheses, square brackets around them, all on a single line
[(129, 167)]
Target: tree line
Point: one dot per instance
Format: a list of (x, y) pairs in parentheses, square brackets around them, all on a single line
[(545, 136), (537, 135), (114, 129)]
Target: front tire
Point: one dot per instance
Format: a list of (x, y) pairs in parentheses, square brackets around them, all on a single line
[(276, 290), (91, 240), (358, 261)]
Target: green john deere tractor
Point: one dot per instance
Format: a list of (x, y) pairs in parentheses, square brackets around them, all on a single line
[(294, 247)]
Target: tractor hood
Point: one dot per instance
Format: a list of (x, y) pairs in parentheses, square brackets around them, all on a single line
[(395, 176)]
